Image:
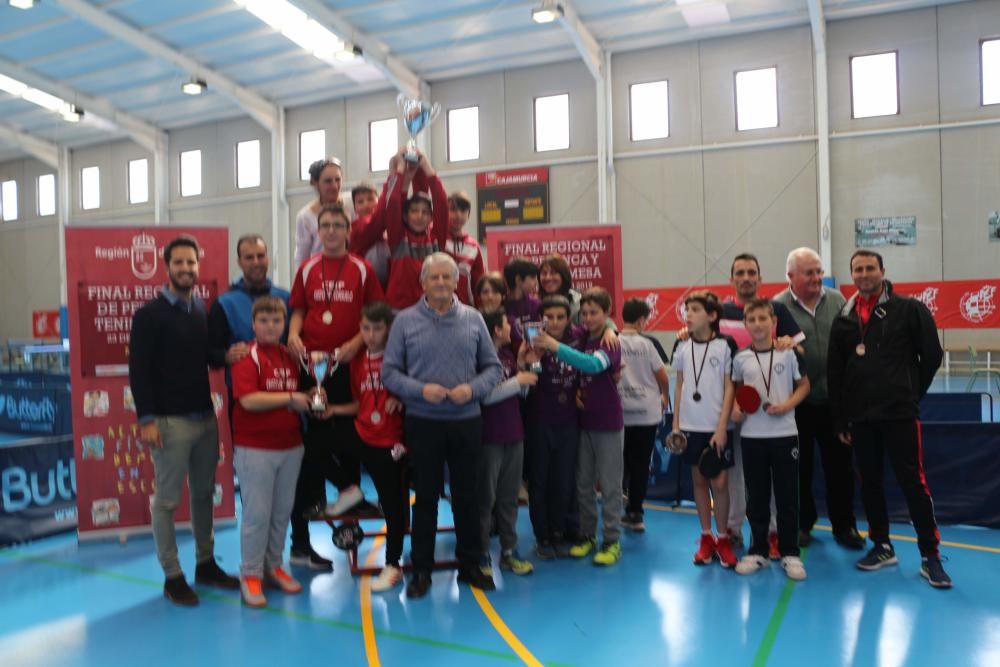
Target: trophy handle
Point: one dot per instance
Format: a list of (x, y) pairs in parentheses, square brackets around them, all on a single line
[(435, 110)]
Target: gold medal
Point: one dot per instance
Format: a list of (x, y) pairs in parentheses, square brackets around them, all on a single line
[(860, 350), (327, 317)]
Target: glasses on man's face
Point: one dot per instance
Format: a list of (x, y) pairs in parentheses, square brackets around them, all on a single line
[(333, 225)]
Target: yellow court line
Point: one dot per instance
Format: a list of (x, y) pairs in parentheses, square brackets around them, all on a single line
[(367, 624), (508, 636), (904, 538)]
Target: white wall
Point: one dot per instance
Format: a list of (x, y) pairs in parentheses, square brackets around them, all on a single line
[(687, 203)]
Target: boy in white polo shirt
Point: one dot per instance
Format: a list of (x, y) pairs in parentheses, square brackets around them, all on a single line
[(770, 440)]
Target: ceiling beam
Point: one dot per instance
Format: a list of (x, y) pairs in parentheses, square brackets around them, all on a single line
[(145, 134), (375, 51), (45, 151), (257, 106), (584, 40)]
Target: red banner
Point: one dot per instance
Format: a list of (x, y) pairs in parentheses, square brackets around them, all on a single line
[(955, 304), (111, 272), (593, 253), (45, 323)]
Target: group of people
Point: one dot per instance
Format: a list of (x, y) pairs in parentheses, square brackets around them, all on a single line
[(438, 369)]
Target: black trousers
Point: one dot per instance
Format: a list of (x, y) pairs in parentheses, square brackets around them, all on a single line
[(815, 426), (639, 441), (331, 454), (900, 439), (552, 451), (767, 463), (432, 444), (389, 477)]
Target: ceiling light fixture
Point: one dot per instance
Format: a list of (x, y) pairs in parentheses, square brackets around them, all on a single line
[(194, 87), (547, 12), (348, 53), (21, 4), (72, 114)]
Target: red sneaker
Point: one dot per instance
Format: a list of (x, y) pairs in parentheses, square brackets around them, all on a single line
[(724, 549), (772, 547), (706, 550)]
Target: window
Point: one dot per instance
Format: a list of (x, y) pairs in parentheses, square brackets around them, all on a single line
[(47, 194), (8, 200), (463, 134), (312, 147), (648, 111), (138, 181), (757, 99), (382, 143), (190, 173), (90, 188), (990, 70), (551, 123), (874, 86), (248, 164)]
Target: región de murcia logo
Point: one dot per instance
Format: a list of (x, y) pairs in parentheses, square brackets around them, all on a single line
[(143, 256)]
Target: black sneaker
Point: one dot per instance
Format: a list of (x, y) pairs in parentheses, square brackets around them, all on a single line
[(881, 555), (210, 574), (473, 576), (315, 512), (805, 538), (932, 570), (308, 557), (176, 590), (633, 521), (366, 510), (419, 584), (850, 539)]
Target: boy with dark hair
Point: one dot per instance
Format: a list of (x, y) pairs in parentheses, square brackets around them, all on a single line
[(522, 304), (379, 425), (503, 451), (703, 400), (643, 388), (368, 229), (601, 427), (463, 248), (770, 440)]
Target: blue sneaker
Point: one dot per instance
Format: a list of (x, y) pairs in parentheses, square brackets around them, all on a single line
[(932, 570)]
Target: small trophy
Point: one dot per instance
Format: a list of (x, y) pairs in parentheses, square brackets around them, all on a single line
[(417, 115), (319, 368), (677, 442)]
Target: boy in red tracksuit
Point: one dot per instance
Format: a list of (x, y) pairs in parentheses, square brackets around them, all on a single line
[(379, 425), (415, 228)]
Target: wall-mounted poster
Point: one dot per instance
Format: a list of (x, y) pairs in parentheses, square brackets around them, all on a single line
[(512, 197), (993, 224), (871, 232)]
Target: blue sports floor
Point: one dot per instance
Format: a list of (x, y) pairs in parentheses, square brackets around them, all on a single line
[(64, 604)]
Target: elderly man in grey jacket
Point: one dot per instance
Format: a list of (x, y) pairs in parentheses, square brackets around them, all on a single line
[(440, 361)]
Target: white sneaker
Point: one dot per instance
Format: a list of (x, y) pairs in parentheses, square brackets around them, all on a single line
[(794, 567), (751, 564), (348, 498), (387, 578)]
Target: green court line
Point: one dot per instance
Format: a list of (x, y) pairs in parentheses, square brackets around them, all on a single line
[(287, 613), (774, 624)]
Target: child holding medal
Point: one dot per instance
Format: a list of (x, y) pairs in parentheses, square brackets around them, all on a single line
[(770, 383)]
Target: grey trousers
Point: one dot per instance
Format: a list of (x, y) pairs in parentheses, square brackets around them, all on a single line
[(499, 481), (267, 492), (190, 450), (600, 462)]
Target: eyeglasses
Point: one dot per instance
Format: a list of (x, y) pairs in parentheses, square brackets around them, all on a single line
[(333, 225)]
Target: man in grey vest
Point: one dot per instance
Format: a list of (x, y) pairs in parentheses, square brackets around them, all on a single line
[(814, 309)]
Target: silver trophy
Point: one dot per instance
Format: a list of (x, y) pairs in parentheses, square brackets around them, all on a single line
[(319, 368), (677, 442), (417, 115)]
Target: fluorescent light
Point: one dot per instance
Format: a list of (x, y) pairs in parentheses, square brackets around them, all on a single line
[(547, 13), (12, 86), (194, 87), (72, 114), (699, 13), (348, 53), (21, 4), (296, 25), (43, 99)]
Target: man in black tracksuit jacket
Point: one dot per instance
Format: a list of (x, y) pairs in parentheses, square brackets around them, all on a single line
[(884, 352)]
